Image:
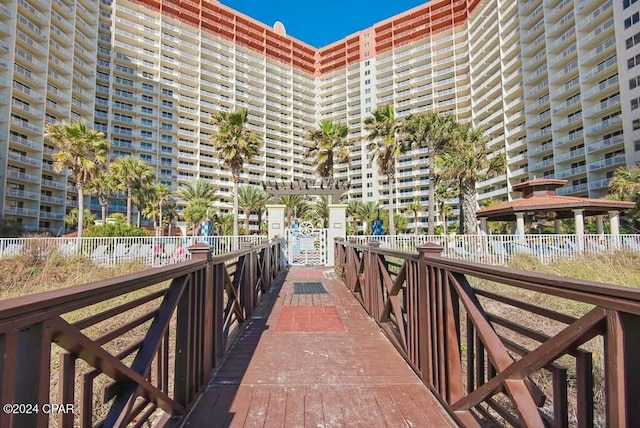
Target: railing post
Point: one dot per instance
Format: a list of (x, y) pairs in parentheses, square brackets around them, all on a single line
[(622, 369), (266, 265), (372, 283), (248, 281), (425, 251), (203, 252)]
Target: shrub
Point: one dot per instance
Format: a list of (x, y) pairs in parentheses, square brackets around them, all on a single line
[(117, 229)]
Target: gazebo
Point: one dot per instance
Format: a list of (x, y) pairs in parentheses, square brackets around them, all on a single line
[(539, 199)]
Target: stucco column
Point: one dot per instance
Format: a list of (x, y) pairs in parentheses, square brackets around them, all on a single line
[(520, 224), (337, 229), (614, 222), (557, 224), (483, 224), (579, 220), (275, 215), (600, 224)]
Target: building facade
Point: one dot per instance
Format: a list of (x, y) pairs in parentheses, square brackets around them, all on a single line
[(554, 84)]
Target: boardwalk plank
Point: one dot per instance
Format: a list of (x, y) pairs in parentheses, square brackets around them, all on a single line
[(353, 377)]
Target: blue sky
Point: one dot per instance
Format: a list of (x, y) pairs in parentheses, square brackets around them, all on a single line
[(321, 22)]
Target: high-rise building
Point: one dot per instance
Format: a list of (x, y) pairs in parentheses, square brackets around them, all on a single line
[(546, 79)]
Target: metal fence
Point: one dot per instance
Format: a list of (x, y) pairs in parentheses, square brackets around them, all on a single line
[(153, 251), (500, 249)]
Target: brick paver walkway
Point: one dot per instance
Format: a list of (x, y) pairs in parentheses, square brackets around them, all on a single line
[(315, 360)]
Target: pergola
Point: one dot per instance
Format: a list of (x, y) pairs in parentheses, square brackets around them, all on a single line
[(539, 199), (278, 188)]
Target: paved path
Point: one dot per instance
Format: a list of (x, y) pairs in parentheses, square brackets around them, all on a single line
[(315, 360)]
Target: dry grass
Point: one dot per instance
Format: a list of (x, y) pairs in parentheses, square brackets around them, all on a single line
[(40, 271), (619, 269)]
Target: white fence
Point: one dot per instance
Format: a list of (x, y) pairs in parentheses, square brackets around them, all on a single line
[(154, 251), (499, 249)]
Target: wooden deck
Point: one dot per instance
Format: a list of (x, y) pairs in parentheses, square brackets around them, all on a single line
[(314, 360)]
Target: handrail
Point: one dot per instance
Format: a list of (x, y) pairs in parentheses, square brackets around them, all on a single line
[(477, 345), (131, 329)]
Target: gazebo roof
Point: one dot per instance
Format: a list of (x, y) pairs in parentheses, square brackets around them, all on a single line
[(539, 196)]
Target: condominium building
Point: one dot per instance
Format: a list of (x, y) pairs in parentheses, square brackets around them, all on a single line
[(546, 79)]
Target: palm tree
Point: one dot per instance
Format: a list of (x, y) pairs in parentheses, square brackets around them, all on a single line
[(383, 131), (162, 196), (320, 210), (234, 144), (129, 174), (414, 207), (197, 189), (171, 210), (294, 205), (80, 149), (196, 211), (102, 186), (444, 192), (330, 146), (250, 199), (142, 197), (263, 200), (353, 211), (466, 160), (368, 212), (625, 182), (430, 131)]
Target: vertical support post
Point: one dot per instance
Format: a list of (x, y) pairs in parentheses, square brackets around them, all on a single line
[(600, 224), (373, 283), (614, 224), (266, 266), (557, 225), (202, 251), (579, 220), (337, 229), (424, 317), (622, 369), (483, 224), (248, 281), (520, 225)]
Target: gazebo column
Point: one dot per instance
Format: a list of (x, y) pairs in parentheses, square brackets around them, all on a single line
[(579, 220), (600, 224), (520, 225), (614, 222), (557, 224), (483, 225)]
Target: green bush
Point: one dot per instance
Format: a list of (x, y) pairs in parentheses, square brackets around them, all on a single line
[(117, 229)]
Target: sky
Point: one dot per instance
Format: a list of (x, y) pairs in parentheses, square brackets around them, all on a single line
[(321, 22)]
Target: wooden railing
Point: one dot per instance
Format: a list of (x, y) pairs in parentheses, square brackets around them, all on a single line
[(134, 348), (482, 340)]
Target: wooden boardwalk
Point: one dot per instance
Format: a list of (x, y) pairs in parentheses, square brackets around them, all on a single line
[(314, 360)]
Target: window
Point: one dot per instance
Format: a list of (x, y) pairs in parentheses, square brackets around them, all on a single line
[(147, 98), (147, 75), (144, 145), (636, 124), (635, 103), (145, 157), (146, 134), (632, 41), (633, 19), (167, 115), (147, 110), (146, 122), (627, 3), (166, 103), (633, 83), (168, 92), (366, 54), (367, 100), (167, 126), (147, 87), (366, 45), (165, 161), (366, 36), (367, 91), (367, 63), (367, 110), (166, 149), (367, 72), (367, 82)]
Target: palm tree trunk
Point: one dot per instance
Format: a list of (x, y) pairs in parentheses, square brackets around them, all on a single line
[(246, 223), (138, 219), (235, 207), (160, 218), (415, 223), (104, 212), (432, 194), (80, 211), (129, 207), (392, 191), (469, 200)]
